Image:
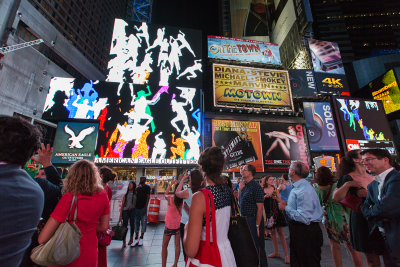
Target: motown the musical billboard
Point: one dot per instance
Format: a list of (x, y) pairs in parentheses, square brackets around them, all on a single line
[(251, 87)]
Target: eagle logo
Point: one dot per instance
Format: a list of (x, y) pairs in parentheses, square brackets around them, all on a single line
[(77, 139)]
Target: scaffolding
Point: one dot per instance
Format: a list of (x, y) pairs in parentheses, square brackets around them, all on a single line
[(139, 10)]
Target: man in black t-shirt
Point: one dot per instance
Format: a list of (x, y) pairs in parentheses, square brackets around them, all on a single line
[(142, 201)]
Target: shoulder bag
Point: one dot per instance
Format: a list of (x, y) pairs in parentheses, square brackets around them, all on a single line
[(352, 202), (327, 196), (105, 237), (242, 243), (208, 253), (120, 232), (63, 247)]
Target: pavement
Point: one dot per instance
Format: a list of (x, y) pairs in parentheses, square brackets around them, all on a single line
[(150, 253)]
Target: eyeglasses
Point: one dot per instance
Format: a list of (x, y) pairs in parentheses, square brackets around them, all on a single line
[(367, 160)]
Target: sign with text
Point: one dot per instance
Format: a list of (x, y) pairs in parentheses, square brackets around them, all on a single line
[(325, 161), (302, 83), (243, 50), (240, 143), (251, 87), (74, 141)]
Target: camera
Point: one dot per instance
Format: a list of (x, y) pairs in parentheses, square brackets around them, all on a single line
[(34, 112)]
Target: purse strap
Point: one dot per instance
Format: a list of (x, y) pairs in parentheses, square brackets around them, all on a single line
[(234, 207), (74, 200), (327, 196), (210, 199)]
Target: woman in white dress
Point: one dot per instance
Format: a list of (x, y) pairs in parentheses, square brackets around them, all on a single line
[(211, 162)]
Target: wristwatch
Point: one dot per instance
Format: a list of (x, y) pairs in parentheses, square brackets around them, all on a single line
[(257, 225)]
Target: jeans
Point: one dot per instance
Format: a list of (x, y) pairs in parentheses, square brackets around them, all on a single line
[(129, 215), (182, 230), (139, 218)]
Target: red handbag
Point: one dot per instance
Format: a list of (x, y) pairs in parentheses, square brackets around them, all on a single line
[(105, 237), (208, 253), (352, 202)]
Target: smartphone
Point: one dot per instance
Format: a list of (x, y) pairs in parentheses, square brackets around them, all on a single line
[(188, 172)]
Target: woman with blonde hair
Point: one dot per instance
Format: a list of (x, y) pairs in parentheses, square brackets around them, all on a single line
[(93, 210)]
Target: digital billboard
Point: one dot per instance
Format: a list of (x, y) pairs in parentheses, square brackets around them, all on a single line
[(302, 83), (303, 14), (240, 143), (321, 130), (243, 50), (144, 53), (74, 141), (251, 87), (363, 124), (138, 124), (282, 144), (249, 18), (285, 20), (328, 68)]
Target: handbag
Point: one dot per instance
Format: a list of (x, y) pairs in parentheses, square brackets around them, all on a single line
[(63, 247), (241, 240), (120, 232), (208, 253), (105, 237), (352, 202), (271, 221)]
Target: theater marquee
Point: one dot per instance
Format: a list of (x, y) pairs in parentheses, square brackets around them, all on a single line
[(251, 87)]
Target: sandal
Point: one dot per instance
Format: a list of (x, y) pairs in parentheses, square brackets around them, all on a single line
[(265, 237), (273, 255), (287, 259), (130, 242)]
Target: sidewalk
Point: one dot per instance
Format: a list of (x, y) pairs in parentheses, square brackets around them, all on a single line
[(150, 253)]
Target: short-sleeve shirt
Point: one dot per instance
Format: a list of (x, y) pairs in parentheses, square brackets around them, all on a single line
[(141, 194), (250, 195)]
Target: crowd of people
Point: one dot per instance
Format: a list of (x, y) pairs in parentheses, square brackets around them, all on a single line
[(359, 207)]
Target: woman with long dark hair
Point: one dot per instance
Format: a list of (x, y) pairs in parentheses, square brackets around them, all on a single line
[(128, 211), (195, 183), (353, 179), (334, 219)]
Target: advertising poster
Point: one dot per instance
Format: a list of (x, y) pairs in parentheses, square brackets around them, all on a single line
[(303, 14), (249, 18), (328, 68), (74, 141), (243, 50), (363, 124), (325, 161), (245, 86), (321, 131), (302, 83), (240, 143), (138, 124), (284, 23), (144, 53), (282, 144)]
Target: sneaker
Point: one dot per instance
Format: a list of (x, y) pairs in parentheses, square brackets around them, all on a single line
[(135, 242), (140, 242)]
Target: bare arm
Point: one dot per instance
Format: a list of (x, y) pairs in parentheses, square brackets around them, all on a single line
[(48, 230), (260, 207), (122, 208), (179, 193), (278, 196), (340, 193), (191, 239), (103, 224)]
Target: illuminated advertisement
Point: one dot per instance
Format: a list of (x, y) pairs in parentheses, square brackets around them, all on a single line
[(243, 50), (138, 124), (144, 53), (302, 83), (303, 14), (249, 18), (74, 141), (325, 161), (284, 23), (363, 124), (320, 126), (245, 86), (328, 68), (282, 144), (240, 143)]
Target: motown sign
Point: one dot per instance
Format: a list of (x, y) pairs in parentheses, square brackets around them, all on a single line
[(251, 87)]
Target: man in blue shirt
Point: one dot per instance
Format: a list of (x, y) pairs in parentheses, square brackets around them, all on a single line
[(304, 212)]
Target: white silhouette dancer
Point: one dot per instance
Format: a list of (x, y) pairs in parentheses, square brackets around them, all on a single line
[(163, 55), (159, 40), (184, 43), (133, 45), (65, 85), (192, 139), (159, 147), (77, 139), (197, 66), (180, 115), (119, 38), (354, 104), (139, 74), (131, 132), (139, 112), (145, 34), (188, 94), (371, 105), (165, 72), (174, 55), (82, 109)]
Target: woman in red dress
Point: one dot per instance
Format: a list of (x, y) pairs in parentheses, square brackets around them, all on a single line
[(106, 175), (83, 179)]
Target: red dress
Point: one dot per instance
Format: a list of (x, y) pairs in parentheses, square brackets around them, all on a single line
[(102, 259), (90, 209)]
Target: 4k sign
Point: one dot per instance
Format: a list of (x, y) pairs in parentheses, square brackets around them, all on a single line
[(352, 145), (332, 82)]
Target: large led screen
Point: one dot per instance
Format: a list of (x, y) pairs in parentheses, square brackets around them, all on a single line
[(243, 50), (302, 83), (141, 124), (328, 68), (282, 144), (251, 87), (363, 124), (240, 143), (321, 130), (74, 141), (144, 53)]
